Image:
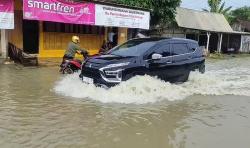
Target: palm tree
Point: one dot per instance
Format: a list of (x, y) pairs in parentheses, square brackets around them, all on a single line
[(218, 7)]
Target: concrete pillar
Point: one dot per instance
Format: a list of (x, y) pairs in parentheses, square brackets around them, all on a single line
[(241, 43), (106, 34), (122, 35), (41, 37), (208, 39), (220, 42), (4, 44), (227, 42)]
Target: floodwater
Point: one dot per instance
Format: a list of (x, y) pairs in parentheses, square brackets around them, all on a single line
[(41, 108)]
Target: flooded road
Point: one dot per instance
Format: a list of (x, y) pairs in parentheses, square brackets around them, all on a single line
[(41, 108)]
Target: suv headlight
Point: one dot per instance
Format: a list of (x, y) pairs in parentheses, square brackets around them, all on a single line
[(113, 72), (116, 73)]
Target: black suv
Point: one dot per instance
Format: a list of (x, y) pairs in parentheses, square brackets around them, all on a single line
[(169, 59)]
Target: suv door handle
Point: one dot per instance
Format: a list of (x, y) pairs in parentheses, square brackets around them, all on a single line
[(169, 62)]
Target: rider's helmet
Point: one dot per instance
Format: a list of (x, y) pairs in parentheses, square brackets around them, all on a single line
[(75, 39)]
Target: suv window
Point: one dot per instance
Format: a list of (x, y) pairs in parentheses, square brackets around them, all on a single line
[(178, 49), (132, 48), (164, 50), (193, 47)]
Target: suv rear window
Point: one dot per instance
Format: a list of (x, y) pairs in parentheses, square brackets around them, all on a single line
[(178, 49)]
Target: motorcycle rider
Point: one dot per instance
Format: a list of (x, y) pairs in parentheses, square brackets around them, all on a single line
[(73, 48)]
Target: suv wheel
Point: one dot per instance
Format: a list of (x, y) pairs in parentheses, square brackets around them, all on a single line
[(129, 76), (184, 77), (202, 68)]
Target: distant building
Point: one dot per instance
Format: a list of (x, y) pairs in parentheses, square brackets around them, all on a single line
[(241, 25), (211, 30)]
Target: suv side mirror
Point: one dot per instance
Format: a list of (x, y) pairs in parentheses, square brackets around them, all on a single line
[(156, 56)]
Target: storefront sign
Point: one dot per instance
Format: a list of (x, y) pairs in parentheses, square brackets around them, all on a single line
[(85, 13), (59, 11), (6, 14), (121, 17)]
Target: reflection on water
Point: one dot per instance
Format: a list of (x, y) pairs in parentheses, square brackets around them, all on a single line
[(35, 111)]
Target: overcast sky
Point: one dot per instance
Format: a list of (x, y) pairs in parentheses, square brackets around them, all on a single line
[(199, 4)]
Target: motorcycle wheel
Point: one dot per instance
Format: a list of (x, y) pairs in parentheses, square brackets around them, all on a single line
[(68, 70)]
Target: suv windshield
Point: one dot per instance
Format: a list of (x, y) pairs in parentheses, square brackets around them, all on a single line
[(132, 48)]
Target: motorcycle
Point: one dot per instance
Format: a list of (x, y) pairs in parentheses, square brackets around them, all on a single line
[(71, 66)]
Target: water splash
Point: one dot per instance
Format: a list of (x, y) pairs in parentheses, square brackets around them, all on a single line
[(146, 89)]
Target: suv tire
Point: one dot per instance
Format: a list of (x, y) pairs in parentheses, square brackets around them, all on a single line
[(202, 68), (184, 77)]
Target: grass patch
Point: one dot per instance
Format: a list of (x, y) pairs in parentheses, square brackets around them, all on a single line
[(216, 55), (225, 56)]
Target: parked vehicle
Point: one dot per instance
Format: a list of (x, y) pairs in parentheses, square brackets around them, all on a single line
[(169, 59)]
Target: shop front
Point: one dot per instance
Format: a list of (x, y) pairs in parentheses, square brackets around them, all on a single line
[(44, 27)]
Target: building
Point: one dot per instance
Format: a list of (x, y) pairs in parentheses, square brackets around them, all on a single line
[(241, 25), (211, 30), (48, 36)]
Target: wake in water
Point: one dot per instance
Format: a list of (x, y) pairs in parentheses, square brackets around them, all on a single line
[(146, 89)]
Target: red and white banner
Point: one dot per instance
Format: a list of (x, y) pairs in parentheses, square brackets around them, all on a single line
[(85, 13), (121, 17), (6, 14)]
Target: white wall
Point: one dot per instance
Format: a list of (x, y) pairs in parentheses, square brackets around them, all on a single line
[(3, 44), (245, 44)]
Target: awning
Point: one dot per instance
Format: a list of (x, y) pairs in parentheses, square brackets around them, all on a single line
[(200, 20)]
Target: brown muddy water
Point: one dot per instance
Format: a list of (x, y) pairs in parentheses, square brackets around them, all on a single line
[(41, 108)]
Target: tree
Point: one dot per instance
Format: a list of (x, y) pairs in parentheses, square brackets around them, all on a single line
[(242, 13), (162, 11), (218, 7)]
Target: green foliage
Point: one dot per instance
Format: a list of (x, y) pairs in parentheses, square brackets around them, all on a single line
[(162, 11), (218, 7), (242, 13), (216, 56)]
